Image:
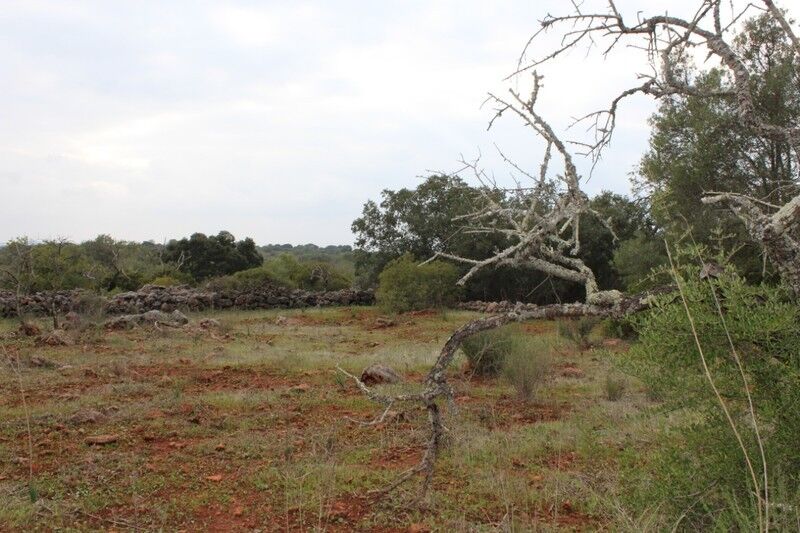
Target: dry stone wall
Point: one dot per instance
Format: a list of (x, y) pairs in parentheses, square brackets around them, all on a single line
[(156, 297)]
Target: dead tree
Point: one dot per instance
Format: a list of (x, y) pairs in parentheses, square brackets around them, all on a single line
[(546, 236)]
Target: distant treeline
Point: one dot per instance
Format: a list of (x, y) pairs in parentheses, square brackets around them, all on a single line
[(105, 264)]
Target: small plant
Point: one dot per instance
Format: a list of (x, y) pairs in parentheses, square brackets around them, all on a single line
[(522, 360), (615, 387), (527, 369), (486, 352), (578, 331)]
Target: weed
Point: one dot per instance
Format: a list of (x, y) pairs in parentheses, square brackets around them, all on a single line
[(578, 331), (614, 387)]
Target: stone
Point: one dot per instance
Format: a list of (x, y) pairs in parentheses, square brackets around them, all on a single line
[(377, 373), (384, 322), (572, 372), (174, 319), (86, 416), (72, 320), (101, 440), (29, 329), (40, 362), (57, 337), (209, 323)]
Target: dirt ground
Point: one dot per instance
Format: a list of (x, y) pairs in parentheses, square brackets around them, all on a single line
[(248, 427)]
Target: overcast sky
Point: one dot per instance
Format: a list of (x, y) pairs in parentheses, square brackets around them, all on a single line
[(276, 120)]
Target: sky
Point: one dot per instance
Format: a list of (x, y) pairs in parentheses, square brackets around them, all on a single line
[(151, 120)]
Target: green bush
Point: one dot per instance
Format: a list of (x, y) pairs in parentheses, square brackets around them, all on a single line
[(487, 351), (246, 280), (578, 331), (166, 281), (615, 387), (404, 285), (698, 470), (523, 359), (526, 366)]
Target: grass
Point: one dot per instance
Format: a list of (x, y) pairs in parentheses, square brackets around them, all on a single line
[(211, 434)]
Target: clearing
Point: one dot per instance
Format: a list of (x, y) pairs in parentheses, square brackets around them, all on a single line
[(249, 427)]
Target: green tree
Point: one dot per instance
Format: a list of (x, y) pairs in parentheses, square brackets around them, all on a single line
[(700, 144), (427, 219), (204, 257)]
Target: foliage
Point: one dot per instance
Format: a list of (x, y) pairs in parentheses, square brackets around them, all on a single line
[(250, 279), (405, 285), (426, 220), (287, 270), (218, 255), (578, 330), (636, 259), (527, 365), (165, 281), (699, 470), (522, 359), (700, 144), (614, 387)]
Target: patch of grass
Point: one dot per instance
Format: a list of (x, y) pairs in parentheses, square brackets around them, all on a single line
[(614, 387), (188, 405), (578, 331)]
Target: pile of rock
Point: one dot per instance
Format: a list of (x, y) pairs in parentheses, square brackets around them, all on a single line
[(160, 298), (168, 299), (42, 303)]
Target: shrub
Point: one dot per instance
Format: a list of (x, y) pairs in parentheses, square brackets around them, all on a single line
[(405, 285), (527, 368), (165, 281), (246, 280), (487, 351), (618, 327), (699, 450), (615, 387), (578, 331), (522, 359)]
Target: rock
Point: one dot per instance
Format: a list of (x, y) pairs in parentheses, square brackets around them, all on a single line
[(101, 440), (174, 319), (167, 299), (57, 337), (209, 323), (41, 362), (384, 322), (394, 417), (572, 372), (86, 416), (711, 270), (612, 343), (72, 321), (29, 329), (377, 373)]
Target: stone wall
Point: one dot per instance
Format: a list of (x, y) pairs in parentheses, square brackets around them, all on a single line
[(151, 297)]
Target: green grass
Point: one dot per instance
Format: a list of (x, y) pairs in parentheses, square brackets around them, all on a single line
[(188, 406)]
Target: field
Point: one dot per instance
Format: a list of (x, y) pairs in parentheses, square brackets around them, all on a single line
[(250, 427)]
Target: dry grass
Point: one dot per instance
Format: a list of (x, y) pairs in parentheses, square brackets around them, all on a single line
[(212, 432)]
